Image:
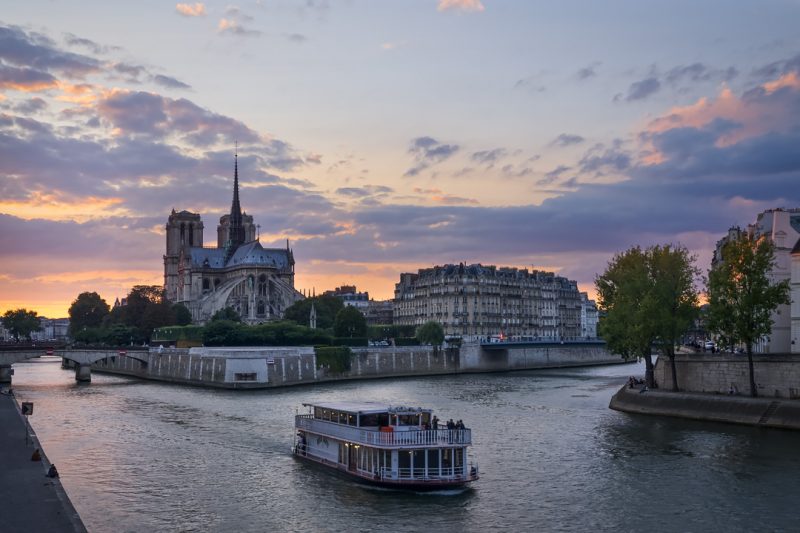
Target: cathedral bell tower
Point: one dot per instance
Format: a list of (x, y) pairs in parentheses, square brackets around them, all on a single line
[(184, 231)]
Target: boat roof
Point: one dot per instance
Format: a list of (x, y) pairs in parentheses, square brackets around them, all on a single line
[(367, 408)]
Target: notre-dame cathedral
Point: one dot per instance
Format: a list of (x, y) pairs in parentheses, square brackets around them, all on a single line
[(257, 282)]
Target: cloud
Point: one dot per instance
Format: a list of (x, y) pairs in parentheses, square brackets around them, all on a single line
[(33, 51), (553, 175), (25, 79), (191, 10), (30, 106), (428, 151), (567, 139), (234, 23), (233, 27), (639, 90), (460, 5), (365, 191), (97, 49), (697, 72), (587, 72), (777, 69), (489, 157), (438, 196), (297, 38), (675, 77), (169, 82)]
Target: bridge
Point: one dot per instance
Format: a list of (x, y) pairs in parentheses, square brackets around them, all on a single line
[(82, 359)]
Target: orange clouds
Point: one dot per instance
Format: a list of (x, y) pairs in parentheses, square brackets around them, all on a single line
[(52, 206), (462, 5), (190, 10), (756, 112), (52, 294), (440, 197)]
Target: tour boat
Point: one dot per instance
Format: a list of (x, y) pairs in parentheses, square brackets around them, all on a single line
[(392, 447)]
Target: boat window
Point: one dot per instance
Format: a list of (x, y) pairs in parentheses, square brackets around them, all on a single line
[(351, 420), (458, 457)]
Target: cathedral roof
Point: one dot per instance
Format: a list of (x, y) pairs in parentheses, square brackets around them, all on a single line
[(251, 253), (214, 256)]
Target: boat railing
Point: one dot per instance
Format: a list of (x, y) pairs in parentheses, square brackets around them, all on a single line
[(448, 473), (376, 437)]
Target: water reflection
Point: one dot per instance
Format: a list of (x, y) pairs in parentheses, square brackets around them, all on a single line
[(146, 456)]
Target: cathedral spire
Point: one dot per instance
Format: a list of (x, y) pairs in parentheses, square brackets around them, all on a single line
[(236, 232)]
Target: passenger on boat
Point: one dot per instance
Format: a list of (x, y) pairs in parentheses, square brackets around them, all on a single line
[(435, 422)]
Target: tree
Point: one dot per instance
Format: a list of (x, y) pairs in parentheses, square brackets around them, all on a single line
[(623, 292), (430, 332), (226, 313), (87, 311), (741, 297), (21, 322), (674, 298), (350, 322), (183, 317), (326, 306)]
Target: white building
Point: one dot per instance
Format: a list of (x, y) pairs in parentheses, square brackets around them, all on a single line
[(782, 227), (589, 317), (488, 301)]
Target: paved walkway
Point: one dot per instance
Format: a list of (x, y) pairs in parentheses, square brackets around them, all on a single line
[(29, 501)]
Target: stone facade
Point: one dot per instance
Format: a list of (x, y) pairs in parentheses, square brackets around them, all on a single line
[(486, 301), (782, 227), (239, 273)]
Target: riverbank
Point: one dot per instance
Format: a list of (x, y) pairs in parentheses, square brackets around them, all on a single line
[(31, 501), (270, 367), (710, 407)]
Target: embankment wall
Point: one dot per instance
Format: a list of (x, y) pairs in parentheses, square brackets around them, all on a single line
[(282, 366), (776, 375)]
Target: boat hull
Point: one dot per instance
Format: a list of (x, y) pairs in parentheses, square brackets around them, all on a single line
[(401, 484)]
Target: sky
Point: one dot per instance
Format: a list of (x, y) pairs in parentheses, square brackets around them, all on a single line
[(381, 137)]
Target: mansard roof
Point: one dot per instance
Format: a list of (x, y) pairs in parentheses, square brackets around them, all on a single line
[(796, 249)]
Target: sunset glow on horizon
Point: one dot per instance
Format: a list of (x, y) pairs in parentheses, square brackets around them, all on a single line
[(385, 137)]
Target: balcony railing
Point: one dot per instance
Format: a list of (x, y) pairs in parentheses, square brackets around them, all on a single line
[(389, 439)]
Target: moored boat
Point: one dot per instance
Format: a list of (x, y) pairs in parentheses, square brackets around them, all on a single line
[(384, 445)]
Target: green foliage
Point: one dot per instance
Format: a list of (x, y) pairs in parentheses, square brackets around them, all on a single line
[(389, 331), (284, 333), (741, 297), (183, 317), (326, 307), (350, 323), (220, 333), (350, 341), (226, 313), (178, 333), (88, 310), (336, 358), (21, 322), (649, 298), (430, 332)]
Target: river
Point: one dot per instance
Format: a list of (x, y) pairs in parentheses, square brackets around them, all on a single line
[(145, 456)]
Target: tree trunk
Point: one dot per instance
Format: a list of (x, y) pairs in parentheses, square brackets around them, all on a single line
[(649, 377), (674, 372), (753, 388)]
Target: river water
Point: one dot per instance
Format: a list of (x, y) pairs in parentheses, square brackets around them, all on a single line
[(145, 456)]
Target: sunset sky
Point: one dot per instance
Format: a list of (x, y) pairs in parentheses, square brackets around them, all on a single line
[(385, 136)]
